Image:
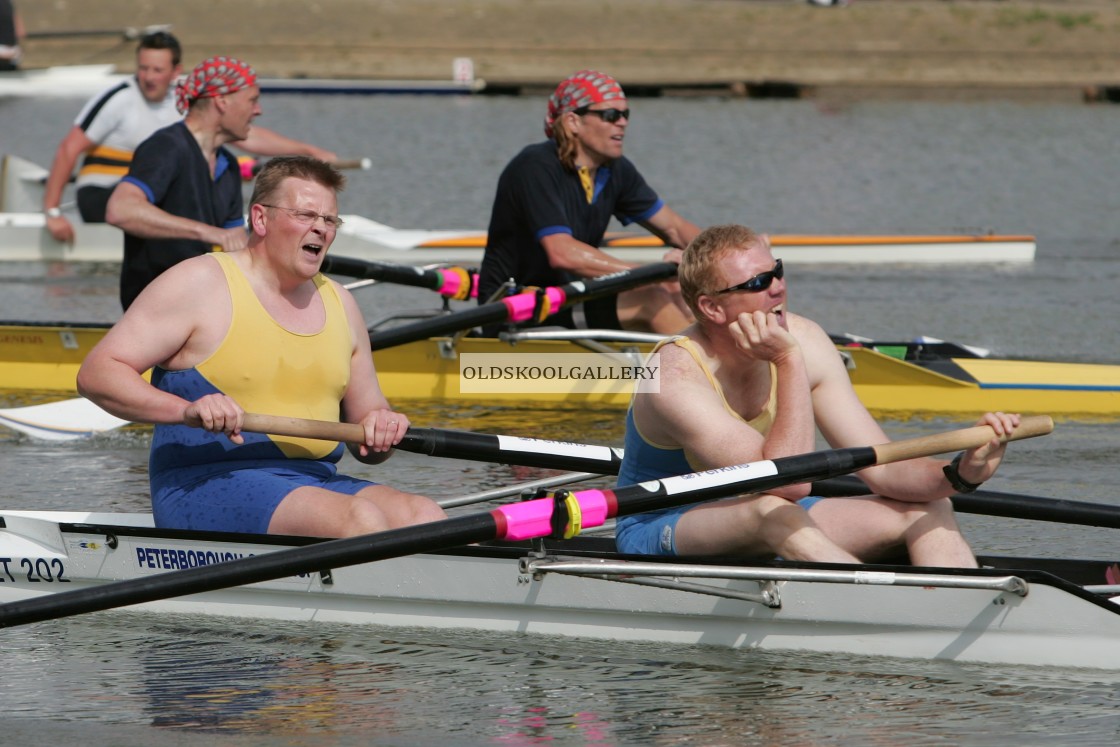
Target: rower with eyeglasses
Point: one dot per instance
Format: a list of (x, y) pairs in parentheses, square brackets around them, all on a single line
[(309, 217), (751, 381), (555, 200), (261, 330)]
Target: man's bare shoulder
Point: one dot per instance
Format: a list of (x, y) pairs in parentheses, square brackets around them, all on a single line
[(805, 329), (682, 377), (677, 362), (191, 282), (201, 268)]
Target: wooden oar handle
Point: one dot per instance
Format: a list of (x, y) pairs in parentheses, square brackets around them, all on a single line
[(353, 163), (959, 440), (276, 425)]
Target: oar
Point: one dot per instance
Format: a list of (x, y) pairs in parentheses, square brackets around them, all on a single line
[(1008, 505), (250, 166), (604, 460), (66, 420), (456, 283), (443, 442), (563, 514), (522, 307), (361, 164), (127, 33)]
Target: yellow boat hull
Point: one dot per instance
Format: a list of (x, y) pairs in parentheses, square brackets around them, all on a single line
[(43, 361)]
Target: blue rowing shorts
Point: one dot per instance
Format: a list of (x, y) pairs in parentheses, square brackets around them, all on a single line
[(240, 500)]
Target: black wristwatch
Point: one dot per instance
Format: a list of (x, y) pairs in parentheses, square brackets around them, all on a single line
[(952, 472)]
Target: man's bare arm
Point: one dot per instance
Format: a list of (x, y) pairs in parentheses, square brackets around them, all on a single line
[(62, 168)]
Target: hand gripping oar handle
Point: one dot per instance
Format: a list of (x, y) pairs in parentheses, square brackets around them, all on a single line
[(562, 511), (965, 438), (443, 442)]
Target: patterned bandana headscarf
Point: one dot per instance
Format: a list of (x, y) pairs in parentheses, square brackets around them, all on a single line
[(215, 76), (584, 88)]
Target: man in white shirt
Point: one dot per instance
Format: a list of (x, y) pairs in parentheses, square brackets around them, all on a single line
[(113, 123)]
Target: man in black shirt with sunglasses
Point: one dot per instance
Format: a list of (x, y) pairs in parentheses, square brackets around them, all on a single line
[(555, 200), (751, 381)]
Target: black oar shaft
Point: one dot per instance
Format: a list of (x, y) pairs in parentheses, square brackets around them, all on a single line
[(384, 271), (995, 503), (530, 452), (442, 442), (479, 316), (456, 283), (718, 483), (1038, 509), (288, 562), (517, 308)]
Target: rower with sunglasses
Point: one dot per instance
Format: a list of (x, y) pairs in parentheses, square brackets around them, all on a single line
[(556, 198), (751, 381)]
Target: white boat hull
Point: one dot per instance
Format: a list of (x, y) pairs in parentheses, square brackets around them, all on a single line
[(24, 238), (87, 80), (863, 610)]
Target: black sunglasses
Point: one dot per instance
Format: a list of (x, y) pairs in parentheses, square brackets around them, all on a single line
[(759, 282), (610, 116)]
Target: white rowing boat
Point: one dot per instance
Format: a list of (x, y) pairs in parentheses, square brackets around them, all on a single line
[(87, 80), (1040, 612), (24, 238)]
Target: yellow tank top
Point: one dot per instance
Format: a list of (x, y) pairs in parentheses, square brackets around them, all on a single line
[(760, 422), (268, 369)]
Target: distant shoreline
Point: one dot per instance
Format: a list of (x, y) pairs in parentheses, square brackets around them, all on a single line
[(1055, 50)]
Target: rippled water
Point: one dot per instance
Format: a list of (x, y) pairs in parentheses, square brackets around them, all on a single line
[(300, 682), (1049, 170)]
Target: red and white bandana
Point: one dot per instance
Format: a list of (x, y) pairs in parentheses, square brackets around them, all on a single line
[(584, 88), (215, 76)]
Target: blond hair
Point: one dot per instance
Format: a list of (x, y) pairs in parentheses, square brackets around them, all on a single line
[(565, 144), (697, 273)]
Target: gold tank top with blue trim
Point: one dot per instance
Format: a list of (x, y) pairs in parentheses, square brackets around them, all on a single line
[(265, 368)]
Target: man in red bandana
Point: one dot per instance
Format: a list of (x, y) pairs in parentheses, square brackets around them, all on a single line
[(113, 123), (555, 200), (182, 195)]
